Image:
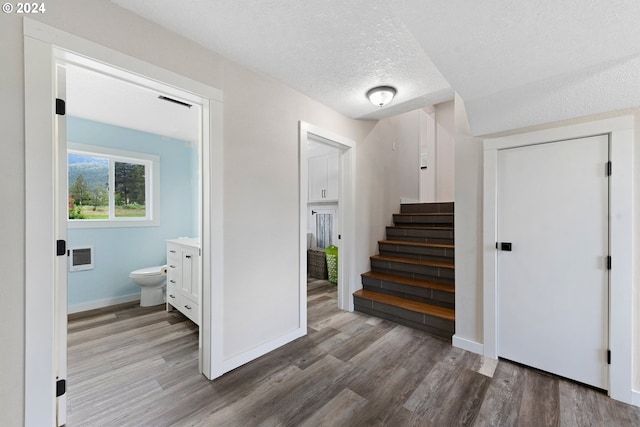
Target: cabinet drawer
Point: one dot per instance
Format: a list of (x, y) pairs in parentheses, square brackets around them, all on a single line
[(173, 297), (173, 253), (174, 272), (173, 280), (190, 309)]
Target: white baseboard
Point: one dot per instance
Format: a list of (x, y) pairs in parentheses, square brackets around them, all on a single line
[(246, 357), (465, 344), (635, 398), (91, 305)]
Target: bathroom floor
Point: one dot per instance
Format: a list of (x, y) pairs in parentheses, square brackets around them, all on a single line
[(133, 366)]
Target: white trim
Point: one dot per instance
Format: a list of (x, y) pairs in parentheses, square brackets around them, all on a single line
[(621, 198), (43, 46), (212, 329), (465, 344), (635, 399), (39, 363), (101, 303), (247, 356), (347, 278)]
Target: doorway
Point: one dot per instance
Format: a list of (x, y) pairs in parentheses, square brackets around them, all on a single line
[(114, 199), (40, 152), (619, 328), (328, 144)]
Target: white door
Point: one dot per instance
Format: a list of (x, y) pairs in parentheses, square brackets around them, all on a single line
[(61, 216), (553, 283)]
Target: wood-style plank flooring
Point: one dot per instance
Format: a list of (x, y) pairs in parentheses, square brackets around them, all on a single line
[(133, 366)]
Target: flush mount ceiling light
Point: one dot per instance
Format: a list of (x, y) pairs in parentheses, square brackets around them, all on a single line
[(381, 95)]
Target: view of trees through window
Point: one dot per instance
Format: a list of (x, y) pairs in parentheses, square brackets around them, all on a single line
[(90, 194)]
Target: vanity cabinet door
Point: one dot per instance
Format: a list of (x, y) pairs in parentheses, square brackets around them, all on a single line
[(190, 279)]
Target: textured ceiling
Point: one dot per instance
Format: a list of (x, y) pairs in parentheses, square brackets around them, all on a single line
[(490, 52), (333, 51)]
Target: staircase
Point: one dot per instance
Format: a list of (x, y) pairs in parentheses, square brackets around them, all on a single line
[(411, 281)]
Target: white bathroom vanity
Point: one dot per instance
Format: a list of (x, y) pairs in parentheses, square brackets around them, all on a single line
[(183, 277)]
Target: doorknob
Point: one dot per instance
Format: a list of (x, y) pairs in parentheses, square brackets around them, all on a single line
[(503, 246)]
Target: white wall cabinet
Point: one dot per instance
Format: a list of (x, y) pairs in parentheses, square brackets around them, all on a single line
[(323, 178), (183, 277)]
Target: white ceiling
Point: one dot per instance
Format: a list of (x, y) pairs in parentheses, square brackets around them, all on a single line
[(489, 52), (95, 96)]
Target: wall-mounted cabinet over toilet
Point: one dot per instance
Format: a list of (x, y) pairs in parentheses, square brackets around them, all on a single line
[(183, 277)]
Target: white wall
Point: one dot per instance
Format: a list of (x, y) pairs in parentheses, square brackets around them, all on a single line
[(427, 155), (261, 170), (445, 151), (384, 176), (261, 203), (468, 225), (12, 222), (437, 183)]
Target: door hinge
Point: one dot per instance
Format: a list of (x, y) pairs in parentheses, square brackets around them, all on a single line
[(61, 387), (61, 107), (61, 247), (608, 357), (608, 262), (608, 168)]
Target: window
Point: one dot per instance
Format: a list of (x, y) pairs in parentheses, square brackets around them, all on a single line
[(111, 188)]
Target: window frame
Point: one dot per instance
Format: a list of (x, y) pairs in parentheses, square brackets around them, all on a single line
[(152, 186)]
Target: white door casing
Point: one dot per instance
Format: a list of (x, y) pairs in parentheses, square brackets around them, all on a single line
[(553, 280), (40, 261), (620, 130)]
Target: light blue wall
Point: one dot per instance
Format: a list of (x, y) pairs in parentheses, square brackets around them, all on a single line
[(118, 251)]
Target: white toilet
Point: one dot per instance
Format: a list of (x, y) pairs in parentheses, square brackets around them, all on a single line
[(152, 281)]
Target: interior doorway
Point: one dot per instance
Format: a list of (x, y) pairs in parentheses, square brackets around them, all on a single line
[(334, 156), (111, 124), (44, 48), (620, 133), (323, 220)]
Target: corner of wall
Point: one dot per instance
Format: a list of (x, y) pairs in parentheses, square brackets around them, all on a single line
[(468, 225)]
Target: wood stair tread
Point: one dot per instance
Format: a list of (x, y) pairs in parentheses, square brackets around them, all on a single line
[(410, 281), (417, 244), (415, 306), (425, 263)]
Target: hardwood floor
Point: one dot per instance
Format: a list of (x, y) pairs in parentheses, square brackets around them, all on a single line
[(134, 366)]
